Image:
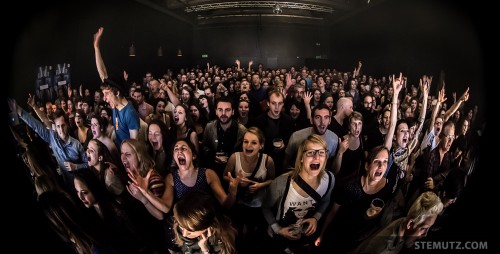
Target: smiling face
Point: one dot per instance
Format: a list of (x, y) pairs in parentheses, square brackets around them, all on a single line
[(251, 144), (376, 168), (183, 155)]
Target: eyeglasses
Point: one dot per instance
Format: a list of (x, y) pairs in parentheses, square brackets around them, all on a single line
[(312, 153)]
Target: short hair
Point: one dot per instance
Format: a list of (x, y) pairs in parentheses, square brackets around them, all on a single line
[(447, 124), (355, 115), (276, 92), (427, 204), (321, 107), (224, 99)]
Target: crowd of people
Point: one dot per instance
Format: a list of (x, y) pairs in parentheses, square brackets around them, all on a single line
[(242, 160)]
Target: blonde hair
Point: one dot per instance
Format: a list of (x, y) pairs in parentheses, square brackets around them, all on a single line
[(312, 139), (427, 204), (144, 160)]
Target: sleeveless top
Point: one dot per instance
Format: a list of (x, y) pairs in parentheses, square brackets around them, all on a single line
[(180, 189), (256, 199)]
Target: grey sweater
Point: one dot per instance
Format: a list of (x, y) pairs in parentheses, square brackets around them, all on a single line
[(272, 207)]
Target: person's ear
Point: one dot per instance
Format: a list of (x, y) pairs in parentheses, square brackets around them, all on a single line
[(100, 158), (410, 224)]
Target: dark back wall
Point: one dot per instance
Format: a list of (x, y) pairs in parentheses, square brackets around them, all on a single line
[(63, 33), (273, 45)]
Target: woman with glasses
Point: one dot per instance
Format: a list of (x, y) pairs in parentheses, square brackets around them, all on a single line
[(296, 200)]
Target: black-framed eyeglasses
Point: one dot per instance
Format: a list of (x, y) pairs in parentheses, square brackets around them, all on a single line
[(312, 152)]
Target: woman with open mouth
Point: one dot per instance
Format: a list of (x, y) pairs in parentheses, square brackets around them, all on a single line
[(350, 220), (256, 170), (306, 188)]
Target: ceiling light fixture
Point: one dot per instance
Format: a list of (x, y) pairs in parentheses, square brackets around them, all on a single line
[(179, 52), (277, 9)]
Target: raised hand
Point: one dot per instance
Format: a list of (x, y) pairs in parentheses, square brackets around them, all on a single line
[(233, 182), (465, 96), (12, 105), (396, 83), (125, 75), (441, 96), (203, 241), (31, 101), (97, 37), (307, 98), (237, 62)]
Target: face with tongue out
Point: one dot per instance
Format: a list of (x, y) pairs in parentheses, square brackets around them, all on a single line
[(183, 155), (375, 169)]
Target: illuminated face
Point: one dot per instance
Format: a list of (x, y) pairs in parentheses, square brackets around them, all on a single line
[(416, 232), (375, 169), (243, 109), (402, 135), (183, 155), (386, 119), (251, 144), (465, 127), (368, 102), (79, 120), (321, 120), (314, 159), (355, 127), (449, 137), (179, 115), (185, 96), (224, 112), (61, 127), (245, 86), (95, 127), (92, 156), (155, 137), (84, 194), (438, 125), (129, 157), (275, 105), (109, 97)]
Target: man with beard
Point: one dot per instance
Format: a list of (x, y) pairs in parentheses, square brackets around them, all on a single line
[(275, 125), (369, 115), (403, 232), (321, 119), (222, 137)]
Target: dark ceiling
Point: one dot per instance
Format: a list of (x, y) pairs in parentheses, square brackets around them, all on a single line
[(220, 12)]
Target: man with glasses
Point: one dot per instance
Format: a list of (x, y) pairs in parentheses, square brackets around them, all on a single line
[(321, 119)]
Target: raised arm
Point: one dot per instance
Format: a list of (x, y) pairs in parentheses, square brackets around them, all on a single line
[(424, 87), (101, 68), (40, 114), (456, 105), (396, 85)]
